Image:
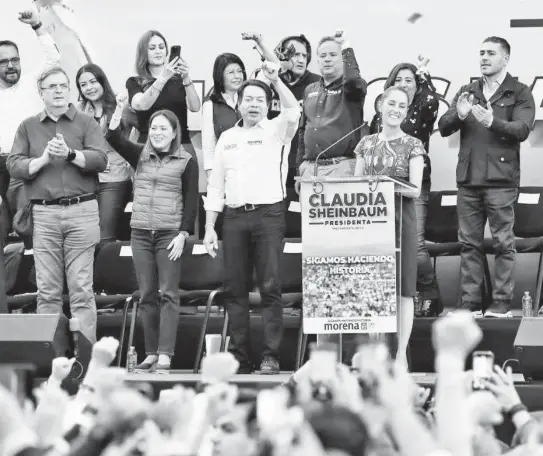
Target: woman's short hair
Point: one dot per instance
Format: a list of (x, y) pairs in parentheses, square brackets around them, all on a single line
[(221, 62), (255, 83)]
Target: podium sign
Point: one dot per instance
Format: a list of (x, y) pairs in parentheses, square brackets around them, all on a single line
[(349, 257)]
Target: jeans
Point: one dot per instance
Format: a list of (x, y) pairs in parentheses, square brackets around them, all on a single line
[(3, 297), (474, 206), (159, 312), (254, 238), (426, 277), (112, 199), (64, 240)]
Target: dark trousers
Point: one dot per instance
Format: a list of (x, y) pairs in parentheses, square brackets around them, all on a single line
[(159, 311), (254, 239), (475, 206), (112, 200), (426, 277)]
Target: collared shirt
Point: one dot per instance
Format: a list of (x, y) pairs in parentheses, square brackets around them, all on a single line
[(251, 164), (22, 100), (59, 178), (490, 88), (209, 140)]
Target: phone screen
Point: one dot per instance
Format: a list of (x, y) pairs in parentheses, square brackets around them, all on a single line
[(175, 52), (482, 366)]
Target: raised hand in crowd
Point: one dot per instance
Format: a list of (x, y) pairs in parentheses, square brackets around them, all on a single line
[(252, 36), (339, 37), (271, 71), (60, 369), (122, 103), (53, 403), (464, 105), (30, 17)]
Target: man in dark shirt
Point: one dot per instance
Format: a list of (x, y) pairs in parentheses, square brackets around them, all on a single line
[(494, 115), (294, 55), (332, 108), (59, 153)]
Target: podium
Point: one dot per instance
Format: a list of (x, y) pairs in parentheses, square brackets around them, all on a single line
[(351, 260)]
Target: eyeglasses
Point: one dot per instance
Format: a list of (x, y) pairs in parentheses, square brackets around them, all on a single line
[(15, 61), (55, 87)]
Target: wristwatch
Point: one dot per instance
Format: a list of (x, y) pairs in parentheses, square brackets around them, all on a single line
[(71, 155), (184, 233)]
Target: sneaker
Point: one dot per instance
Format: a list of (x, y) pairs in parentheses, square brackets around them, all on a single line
[(269, 366), (163, 364), (499, 310)]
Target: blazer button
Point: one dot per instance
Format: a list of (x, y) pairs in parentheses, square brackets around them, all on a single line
[(501, 159)]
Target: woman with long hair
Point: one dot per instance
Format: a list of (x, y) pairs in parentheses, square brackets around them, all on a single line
[(219, 111), (160, 84), (392, 152), (419, 122), (98, 100), (163, 214)]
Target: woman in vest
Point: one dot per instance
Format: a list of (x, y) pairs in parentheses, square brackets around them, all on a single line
[(98, 100), (163, 214), (219, 111)]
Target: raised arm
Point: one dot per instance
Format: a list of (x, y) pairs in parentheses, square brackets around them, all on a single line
[(354, 86), (288, 120), (267, 53), (192, 97), (50, 49), (127, 149)]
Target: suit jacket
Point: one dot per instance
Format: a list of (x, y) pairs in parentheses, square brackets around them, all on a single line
[(490, 157)]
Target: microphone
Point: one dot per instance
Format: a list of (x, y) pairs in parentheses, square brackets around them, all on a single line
[(316, 166), (75, 327)]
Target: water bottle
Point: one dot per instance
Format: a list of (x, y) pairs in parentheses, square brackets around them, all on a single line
[(417, 303), (131, 359), (527, 305)]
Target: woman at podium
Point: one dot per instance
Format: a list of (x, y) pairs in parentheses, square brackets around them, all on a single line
[(391, 152)]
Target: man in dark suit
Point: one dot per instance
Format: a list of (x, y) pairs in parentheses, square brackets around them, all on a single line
[(494, 115)]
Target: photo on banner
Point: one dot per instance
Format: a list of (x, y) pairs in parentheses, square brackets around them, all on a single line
[(349, 257)]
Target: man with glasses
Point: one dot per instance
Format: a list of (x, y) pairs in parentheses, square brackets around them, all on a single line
[(59, 153), (18, 100)]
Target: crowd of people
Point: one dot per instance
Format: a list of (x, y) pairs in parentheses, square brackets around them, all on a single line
[(325, 408), (67, 171)]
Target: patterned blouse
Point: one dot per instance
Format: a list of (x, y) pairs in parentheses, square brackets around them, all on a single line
[(420, 119), (388, 158)]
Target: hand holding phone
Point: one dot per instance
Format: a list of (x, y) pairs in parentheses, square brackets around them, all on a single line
[(482, 368)]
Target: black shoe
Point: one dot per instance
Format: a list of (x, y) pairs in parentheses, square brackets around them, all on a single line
[(245, 369), (269, 366)]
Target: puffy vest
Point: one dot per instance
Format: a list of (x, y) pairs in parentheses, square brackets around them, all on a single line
[(158, 192)]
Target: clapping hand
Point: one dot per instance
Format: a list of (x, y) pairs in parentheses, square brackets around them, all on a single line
[(57, 147), (104, 351), (482, 115), (464, 104), (61, 367)]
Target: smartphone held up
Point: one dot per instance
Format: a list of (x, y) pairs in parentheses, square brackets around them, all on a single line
[(482, 367)]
